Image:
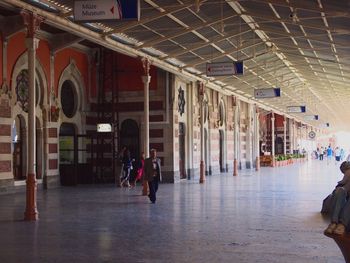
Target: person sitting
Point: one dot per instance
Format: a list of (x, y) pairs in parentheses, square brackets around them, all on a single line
[(340, 216)]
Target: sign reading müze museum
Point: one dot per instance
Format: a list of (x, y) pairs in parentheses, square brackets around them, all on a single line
[(98, 10), (296, 109), (224, 68), (267, 93)]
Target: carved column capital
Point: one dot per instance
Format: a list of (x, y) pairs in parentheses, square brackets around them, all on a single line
[(146, 64), (32, 23)]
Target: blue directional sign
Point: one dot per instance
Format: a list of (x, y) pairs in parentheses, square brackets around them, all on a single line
[(296, 109), (311, 117), (224, 68), (267, 93), (324, 125)]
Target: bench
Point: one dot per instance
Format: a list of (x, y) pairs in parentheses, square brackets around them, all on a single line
[(343, 243), (266, 160)]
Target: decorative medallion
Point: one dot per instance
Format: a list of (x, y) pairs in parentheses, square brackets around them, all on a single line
[(22, 84), (312, 135), (181, 101)]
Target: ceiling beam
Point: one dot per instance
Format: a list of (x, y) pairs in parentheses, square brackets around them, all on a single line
[(183, 32), (148, 19)]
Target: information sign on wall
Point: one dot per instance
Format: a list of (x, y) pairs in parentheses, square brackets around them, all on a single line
[(104, 127)]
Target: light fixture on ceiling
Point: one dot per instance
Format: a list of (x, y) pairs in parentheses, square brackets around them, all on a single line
[(293, 16)]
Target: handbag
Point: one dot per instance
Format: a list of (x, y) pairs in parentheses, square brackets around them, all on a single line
[(327, 205)]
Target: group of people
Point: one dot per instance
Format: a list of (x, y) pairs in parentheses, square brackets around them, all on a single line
[(329, 153), (148, 170), (337, 204)]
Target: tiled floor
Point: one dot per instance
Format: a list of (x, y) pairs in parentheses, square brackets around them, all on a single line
[(267, 216)]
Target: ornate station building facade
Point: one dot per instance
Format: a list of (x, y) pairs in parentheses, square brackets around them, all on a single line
[(198, 130)]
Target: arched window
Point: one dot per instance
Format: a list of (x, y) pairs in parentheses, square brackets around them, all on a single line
[(68, 99), (22, 90)]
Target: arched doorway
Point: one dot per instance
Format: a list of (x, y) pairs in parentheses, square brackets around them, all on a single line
[(130, 137), (279, 145), (182, 150), (68, 158), (19, 146)]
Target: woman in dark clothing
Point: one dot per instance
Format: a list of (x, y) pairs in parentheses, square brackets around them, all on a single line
[(127, 166)]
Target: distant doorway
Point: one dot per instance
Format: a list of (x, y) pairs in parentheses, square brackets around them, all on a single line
[(279, 145), (39, 150), (68, 158), (221, 155), (182, 150), (206, 152), (130, 137), (19, 146)]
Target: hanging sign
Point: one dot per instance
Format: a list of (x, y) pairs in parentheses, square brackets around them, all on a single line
[(296, 109), (104, 127), (324, 125), (311, 118), (98, 10), (267, 93), (224, 69)]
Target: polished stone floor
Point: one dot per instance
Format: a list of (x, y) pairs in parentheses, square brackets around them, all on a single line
[(266, 216)]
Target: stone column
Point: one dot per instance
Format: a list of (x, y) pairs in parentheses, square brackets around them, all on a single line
[(292, 136), (32, 23), (284, 136), (189, 138), (236, 139), (202, 163), (146, 79), (257, 139), (249, 138), (273, 139)]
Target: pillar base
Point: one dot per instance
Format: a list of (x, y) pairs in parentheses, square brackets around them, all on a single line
[(145, 188), (201, 172), (273, 163), (31, 213), (235, 167), (257, 163)]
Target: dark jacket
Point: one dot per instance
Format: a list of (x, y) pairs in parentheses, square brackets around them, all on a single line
[(148, 170)]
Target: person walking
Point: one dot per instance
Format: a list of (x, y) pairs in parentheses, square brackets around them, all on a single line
[(329, 154), (140, 169), (337, 155), (127, 166), (321, 154), (152, 174)]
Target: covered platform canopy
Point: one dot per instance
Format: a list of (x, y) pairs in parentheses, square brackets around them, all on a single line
[(298, 46)]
